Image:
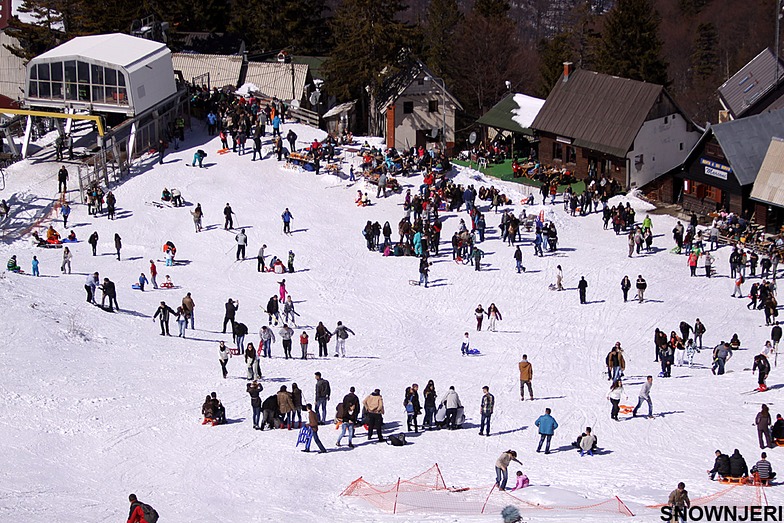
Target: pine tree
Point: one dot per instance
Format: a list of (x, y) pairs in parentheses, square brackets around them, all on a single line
[(630, 45), (492, 8), (443, 19), (367, 37), (552, 54), (258, 21), (705, 59), (305, 28)]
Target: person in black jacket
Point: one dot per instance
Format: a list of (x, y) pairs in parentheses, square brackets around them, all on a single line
[(239, 332), (322, 337), (254, 389), (738, 467), (582, 286), (93, 241), (412, 405), (778, 428), (269, 411), (163, 311), (348, 413), (231, 311), (109, 291), (626, 284), (721, 466)]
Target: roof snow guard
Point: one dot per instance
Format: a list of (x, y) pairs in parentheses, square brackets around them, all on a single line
[(115, 73)]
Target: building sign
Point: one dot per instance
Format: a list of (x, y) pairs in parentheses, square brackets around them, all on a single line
[(563, 140), (715, 169), (718, 173)]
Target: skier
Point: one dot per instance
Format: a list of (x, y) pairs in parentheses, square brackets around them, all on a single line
[(242, 242), (582, 286), (341, 334), (273, 310), (163, 312), (547, 426), (289, 314), (228, 223), (287, 217)]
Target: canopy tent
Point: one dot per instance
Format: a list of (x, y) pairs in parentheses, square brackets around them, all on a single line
[(515, 112)]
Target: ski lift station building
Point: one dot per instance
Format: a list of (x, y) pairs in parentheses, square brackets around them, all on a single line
[(109, 73)]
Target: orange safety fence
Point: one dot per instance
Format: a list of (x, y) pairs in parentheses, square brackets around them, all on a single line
[(732, 496), (428, 493)]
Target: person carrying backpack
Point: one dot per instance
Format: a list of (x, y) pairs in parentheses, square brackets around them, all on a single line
[(141, 512)]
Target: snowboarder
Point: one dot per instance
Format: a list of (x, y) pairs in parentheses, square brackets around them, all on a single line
[(163, 312), (198, 157), (341, 335)]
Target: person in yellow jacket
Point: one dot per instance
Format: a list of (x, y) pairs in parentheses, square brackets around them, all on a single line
[(374, 412)]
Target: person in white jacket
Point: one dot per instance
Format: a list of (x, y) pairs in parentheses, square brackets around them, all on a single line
[(587, 442), (615, 395), (452, 402)]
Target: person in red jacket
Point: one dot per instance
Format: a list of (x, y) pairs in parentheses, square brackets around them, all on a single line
[(137, 511)]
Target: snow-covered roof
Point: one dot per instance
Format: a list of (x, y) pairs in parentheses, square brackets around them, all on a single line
[(527, 109), (115, 49)]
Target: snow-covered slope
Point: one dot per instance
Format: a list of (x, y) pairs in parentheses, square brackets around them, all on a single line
[(98, 405)]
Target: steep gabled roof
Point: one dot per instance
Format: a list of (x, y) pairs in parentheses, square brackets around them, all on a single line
[(224, 69), (394, 85), (598, 111), (745, 142), (750, 83), (283, 80)]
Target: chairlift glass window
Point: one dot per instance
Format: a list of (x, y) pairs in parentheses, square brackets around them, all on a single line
[(83, 69), (43, 72), (70, 71)]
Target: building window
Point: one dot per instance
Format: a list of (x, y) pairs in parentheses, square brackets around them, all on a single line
[(680, 146), (408, 107), (557, 151), (432, 106), (571, 154), (666, 119), (77, 80)]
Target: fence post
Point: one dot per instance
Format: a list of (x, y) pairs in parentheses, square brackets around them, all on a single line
[(441, 476), (487, 498), (397, 491)]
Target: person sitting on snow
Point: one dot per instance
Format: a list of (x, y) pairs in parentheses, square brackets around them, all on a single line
[(166, 195), (207, 410), (522, 481), (12, 266), (36, 241), (72, 236), (218, 410), (579, 442), (52, 236), (778, 428)]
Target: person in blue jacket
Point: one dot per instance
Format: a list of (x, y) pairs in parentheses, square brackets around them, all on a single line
[(276, 126), (547, 426)]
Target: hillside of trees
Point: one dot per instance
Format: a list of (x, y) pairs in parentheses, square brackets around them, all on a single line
[(692, 46)]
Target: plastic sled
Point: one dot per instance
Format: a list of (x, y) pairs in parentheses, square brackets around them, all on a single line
[(165, 285), (223, 151), (473, 352), (234, 351), (626, 409), (209, 421), (136, 287), (779, 442)]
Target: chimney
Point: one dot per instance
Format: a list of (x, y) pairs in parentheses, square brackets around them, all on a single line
[(5, 13), (568, 68)]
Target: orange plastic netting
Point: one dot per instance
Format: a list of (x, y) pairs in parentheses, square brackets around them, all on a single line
[(428, 493)]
